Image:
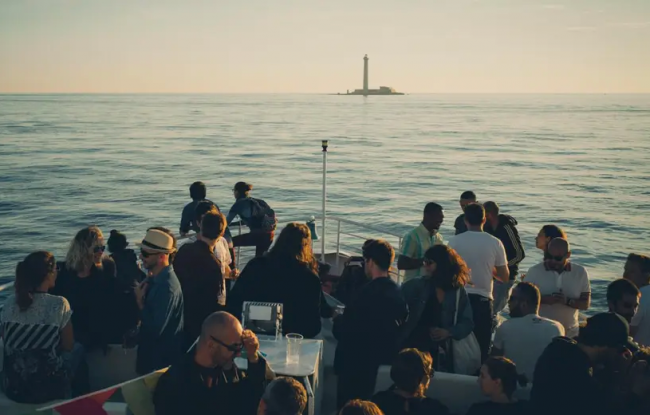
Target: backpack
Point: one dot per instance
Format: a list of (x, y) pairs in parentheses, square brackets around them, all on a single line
[(262, 216)]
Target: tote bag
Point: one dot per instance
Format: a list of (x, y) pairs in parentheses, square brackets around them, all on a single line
[(466, 352)]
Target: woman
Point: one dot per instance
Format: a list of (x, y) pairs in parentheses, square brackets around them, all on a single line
[(432, 303), (359, 407), (126, 261), (547, 233), (40, 356), (254, 213), (411, 374), (287, 274), (102, 307), (498, 381)]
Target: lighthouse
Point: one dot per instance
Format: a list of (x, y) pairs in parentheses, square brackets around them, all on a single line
[(365, 76)]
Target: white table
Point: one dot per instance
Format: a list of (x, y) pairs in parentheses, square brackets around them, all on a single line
[(309, 367)]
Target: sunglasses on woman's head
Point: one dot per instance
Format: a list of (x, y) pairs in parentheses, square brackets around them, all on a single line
[(98, 249)]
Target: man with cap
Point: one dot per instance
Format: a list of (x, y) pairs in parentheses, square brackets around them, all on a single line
[(160, 300), (563, 381)]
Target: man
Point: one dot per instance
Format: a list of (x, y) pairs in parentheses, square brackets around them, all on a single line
[(637, 270), (198, 193), (283, 396), (190, 216), (466, 198), (623, 298), (368, 331), (418, 240), (486, 260), (504, 228), (207, 381), (524, 337), (564, 286), (563, 381), (201, 275), (160, 300)]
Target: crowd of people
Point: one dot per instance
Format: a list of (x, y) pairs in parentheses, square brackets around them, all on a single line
[(182, 308)]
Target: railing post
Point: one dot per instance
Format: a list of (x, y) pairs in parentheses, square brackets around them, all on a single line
[(238, 249), (338, 243), (399, 271), (324, 144)]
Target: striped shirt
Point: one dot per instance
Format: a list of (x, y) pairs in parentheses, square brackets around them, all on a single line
[(415, 243), (33, 371)]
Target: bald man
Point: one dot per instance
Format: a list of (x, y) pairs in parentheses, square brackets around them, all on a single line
[(564, 286), (207, 380)]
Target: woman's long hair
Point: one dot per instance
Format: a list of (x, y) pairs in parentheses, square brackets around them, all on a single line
[(295, 242), (80, 255), (505, 370), (451, 270), (30, 274)]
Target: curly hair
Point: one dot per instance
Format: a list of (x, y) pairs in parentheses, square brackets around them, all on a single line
[(451, 270), (80, 255), (295, 242)]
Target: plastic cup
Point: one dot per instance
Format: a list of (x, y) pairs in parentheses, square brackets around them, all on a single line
[(294, 342)]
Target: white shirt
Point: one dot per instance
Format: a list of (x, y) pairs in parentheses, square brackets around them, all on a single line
[(482, 252), (222, 253), (523, 339), (571, 282), (641, 319)]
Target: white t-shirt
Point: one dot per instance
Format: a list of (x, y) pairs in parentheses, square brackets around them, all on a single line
[(223, 255), (482, 252), (571, 283), (641, 319), (523, 339)]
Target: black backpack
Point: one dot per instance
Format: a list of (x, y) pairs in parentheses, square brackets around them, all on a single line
[(262, 216)]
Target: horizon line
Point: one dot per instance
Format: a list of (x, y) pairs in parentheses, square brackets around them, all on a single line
[(320, 93)]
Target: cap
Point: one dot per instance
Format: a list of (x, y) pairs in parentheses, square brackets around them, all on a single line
[(606, 329)]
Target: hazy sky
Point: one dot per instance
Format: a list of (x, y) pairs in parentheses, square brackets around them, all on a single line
[(318, 46)]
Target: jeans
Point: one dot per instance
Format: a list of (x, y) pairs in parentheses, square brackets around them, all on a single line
[(483, 322), (75, 363), (260, 240), (501, 294)]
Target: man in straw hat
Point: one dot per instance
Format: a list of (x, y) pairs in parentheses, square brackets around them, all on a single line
[(160, 300)]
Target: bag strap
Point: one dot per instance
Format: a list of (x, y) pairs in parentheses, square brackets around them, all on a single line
[(457, 304)]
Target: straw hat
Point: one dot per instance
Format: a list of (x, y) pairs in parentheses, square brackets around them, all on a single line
[(158, 241)]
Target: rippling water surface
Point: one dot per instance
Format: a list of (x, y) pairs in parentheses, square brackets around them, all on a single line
[(125, 162)]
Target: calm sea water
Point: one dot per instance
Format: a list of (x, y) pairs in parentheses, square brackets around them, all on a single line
[(125, 162)]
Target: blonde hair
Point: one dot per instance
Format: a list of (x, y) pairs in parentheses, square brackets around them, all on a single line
[(80, 254)]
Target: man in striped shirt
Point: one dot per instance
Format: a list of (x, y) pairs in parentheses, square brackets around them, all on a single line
[(504, 228), (418, 240)]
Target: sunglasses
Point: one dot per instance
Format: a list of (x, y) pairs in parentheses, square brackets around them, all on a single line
[(234, 348), (98, 249), (146, 254), (429, 261)]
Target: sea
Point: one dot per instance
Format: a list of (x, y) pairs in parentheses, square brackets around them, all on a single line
[(125, 162)]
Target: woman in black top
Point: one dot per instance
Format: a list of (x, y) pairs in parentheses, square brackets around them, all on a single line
[(412, 373), (88, 281), (498, 381), (287, 274)]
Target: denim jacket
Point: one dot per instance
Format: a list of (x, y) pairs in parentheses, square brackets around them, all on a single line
[(416, 293)]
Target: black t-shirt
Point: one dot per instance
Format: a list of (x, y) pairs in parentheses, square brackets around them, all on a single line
[(493, 408), (459, 224), (391, 403), (431, 317)]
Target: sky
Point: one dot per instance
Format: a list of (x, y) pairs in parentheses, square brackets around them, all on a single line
[(317, 46)]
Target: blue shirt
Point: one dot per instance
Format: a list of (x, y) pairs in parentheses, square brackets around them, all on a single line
[(188, 221), (161, 324), (242, 208)]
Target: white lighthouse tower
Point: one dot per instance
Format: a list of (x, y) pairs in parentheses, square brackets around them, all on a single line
[(365, 76)]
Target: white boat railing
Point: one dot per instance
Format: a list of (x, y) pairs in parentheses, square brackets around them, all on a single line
[(348, 240)]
